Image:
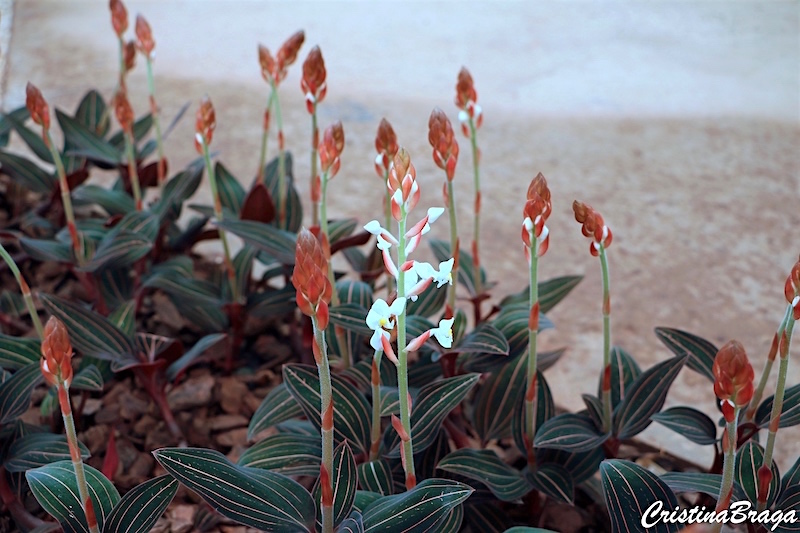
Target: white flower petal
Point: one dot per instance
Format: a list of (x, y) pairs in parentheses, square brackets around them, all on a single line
[(375, 340), (434, 213), (374, 227)]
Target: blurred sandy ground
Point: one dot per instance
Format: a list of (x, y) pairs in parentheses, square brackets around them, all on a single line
[(678, 121)]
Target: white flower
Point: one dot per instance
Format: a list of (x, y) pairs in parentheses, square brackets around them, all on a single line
[(385, 238), (379, 319), (442, 276), (444, 332)]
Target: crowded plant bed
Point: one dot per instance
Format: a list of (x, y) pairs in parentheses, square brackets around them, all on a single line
[(319, 376)]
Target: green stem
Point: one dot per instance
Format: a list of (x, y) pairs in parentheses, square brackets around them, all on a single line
[(606, 393), (374, 451), (151, 87), (77, 461), (314, 141), (66, 200), (402, 357), (532, 396), (212, 179), (728, 466), (451, 200), (326, 399), (387, 212), (133, 174), (476, 230), (762, 383), (283, 191), (264, 135), (25, 290), (780, 389)]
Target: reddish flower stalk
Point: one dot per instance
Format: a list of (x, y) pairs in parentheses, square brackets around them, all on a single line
[(536, 238), (56, 365), (445, 155), (205, 123), (733, 385), (314, 88), (40, 113), (146, 45), (274, 70), (314, 290), (792, 293), (330, 150), (471, 118), (386, 146), (124, 113), (594, 227)]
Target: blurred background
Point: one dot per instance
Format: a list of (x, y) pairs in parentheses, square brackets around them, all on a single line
[(678, 121)]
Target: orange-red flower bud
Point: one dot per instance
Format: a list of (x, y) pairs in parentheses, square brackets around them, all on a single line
[(119, 17), (123, 111), (205, 122), (144, 36), (443, 141), (330, 148), (287, 54), (56, 362), (313, 82), (129, 55), (267, 63), (538, 186), (37, 106), (310, 276), (733, 376), (403, 178), (593, 226), (386, 142), (465, 89)]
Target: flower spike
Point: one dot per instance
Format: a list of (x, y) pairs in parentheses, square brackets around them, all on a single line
[(467, 102), (37, 106), (144, 37), (733, 378), (443, 141), (313, 81), (205, 122), (119, 17), (386, 146), (310, 278), (56, 362), (330, 149), (593, 226)]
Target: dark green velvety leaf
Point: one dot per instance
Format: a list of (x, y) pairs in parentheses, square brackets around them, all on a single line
[(32, 139), (429, 303), (46, 250), (294, 206), (251, 496), (56, 490), (339, 229), (699, 482), (364, 499), (551, 292), (277, 243), (115, 202), (38, 449), (553, 480), (789, 501), (352, 524), (278, 406), (231, 192), (142, 506), (204, 344), (89, 379), (792, 476), (624, 371), (512, 321), (118, 250), (290, 455), (243, 268), (749, 458), (176, 191), (483, 339), (452, 524), (376, 476), (19, 114), (86, 142), (645, 397), (505, 482), (431, 406), (116, 286), (545, 410), (486, 518), (790, 412), (689, 422), (15, 392), (351, 317), (26, 173), (18, 352), (390, 401), (352, 413), (594, 408), (345, 483), (629, 490), (139, 222), (278, 302), (701, 352), (581, 465), (90, 333), (497, 398), (569, 432), (419, 509), (91, 113)]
